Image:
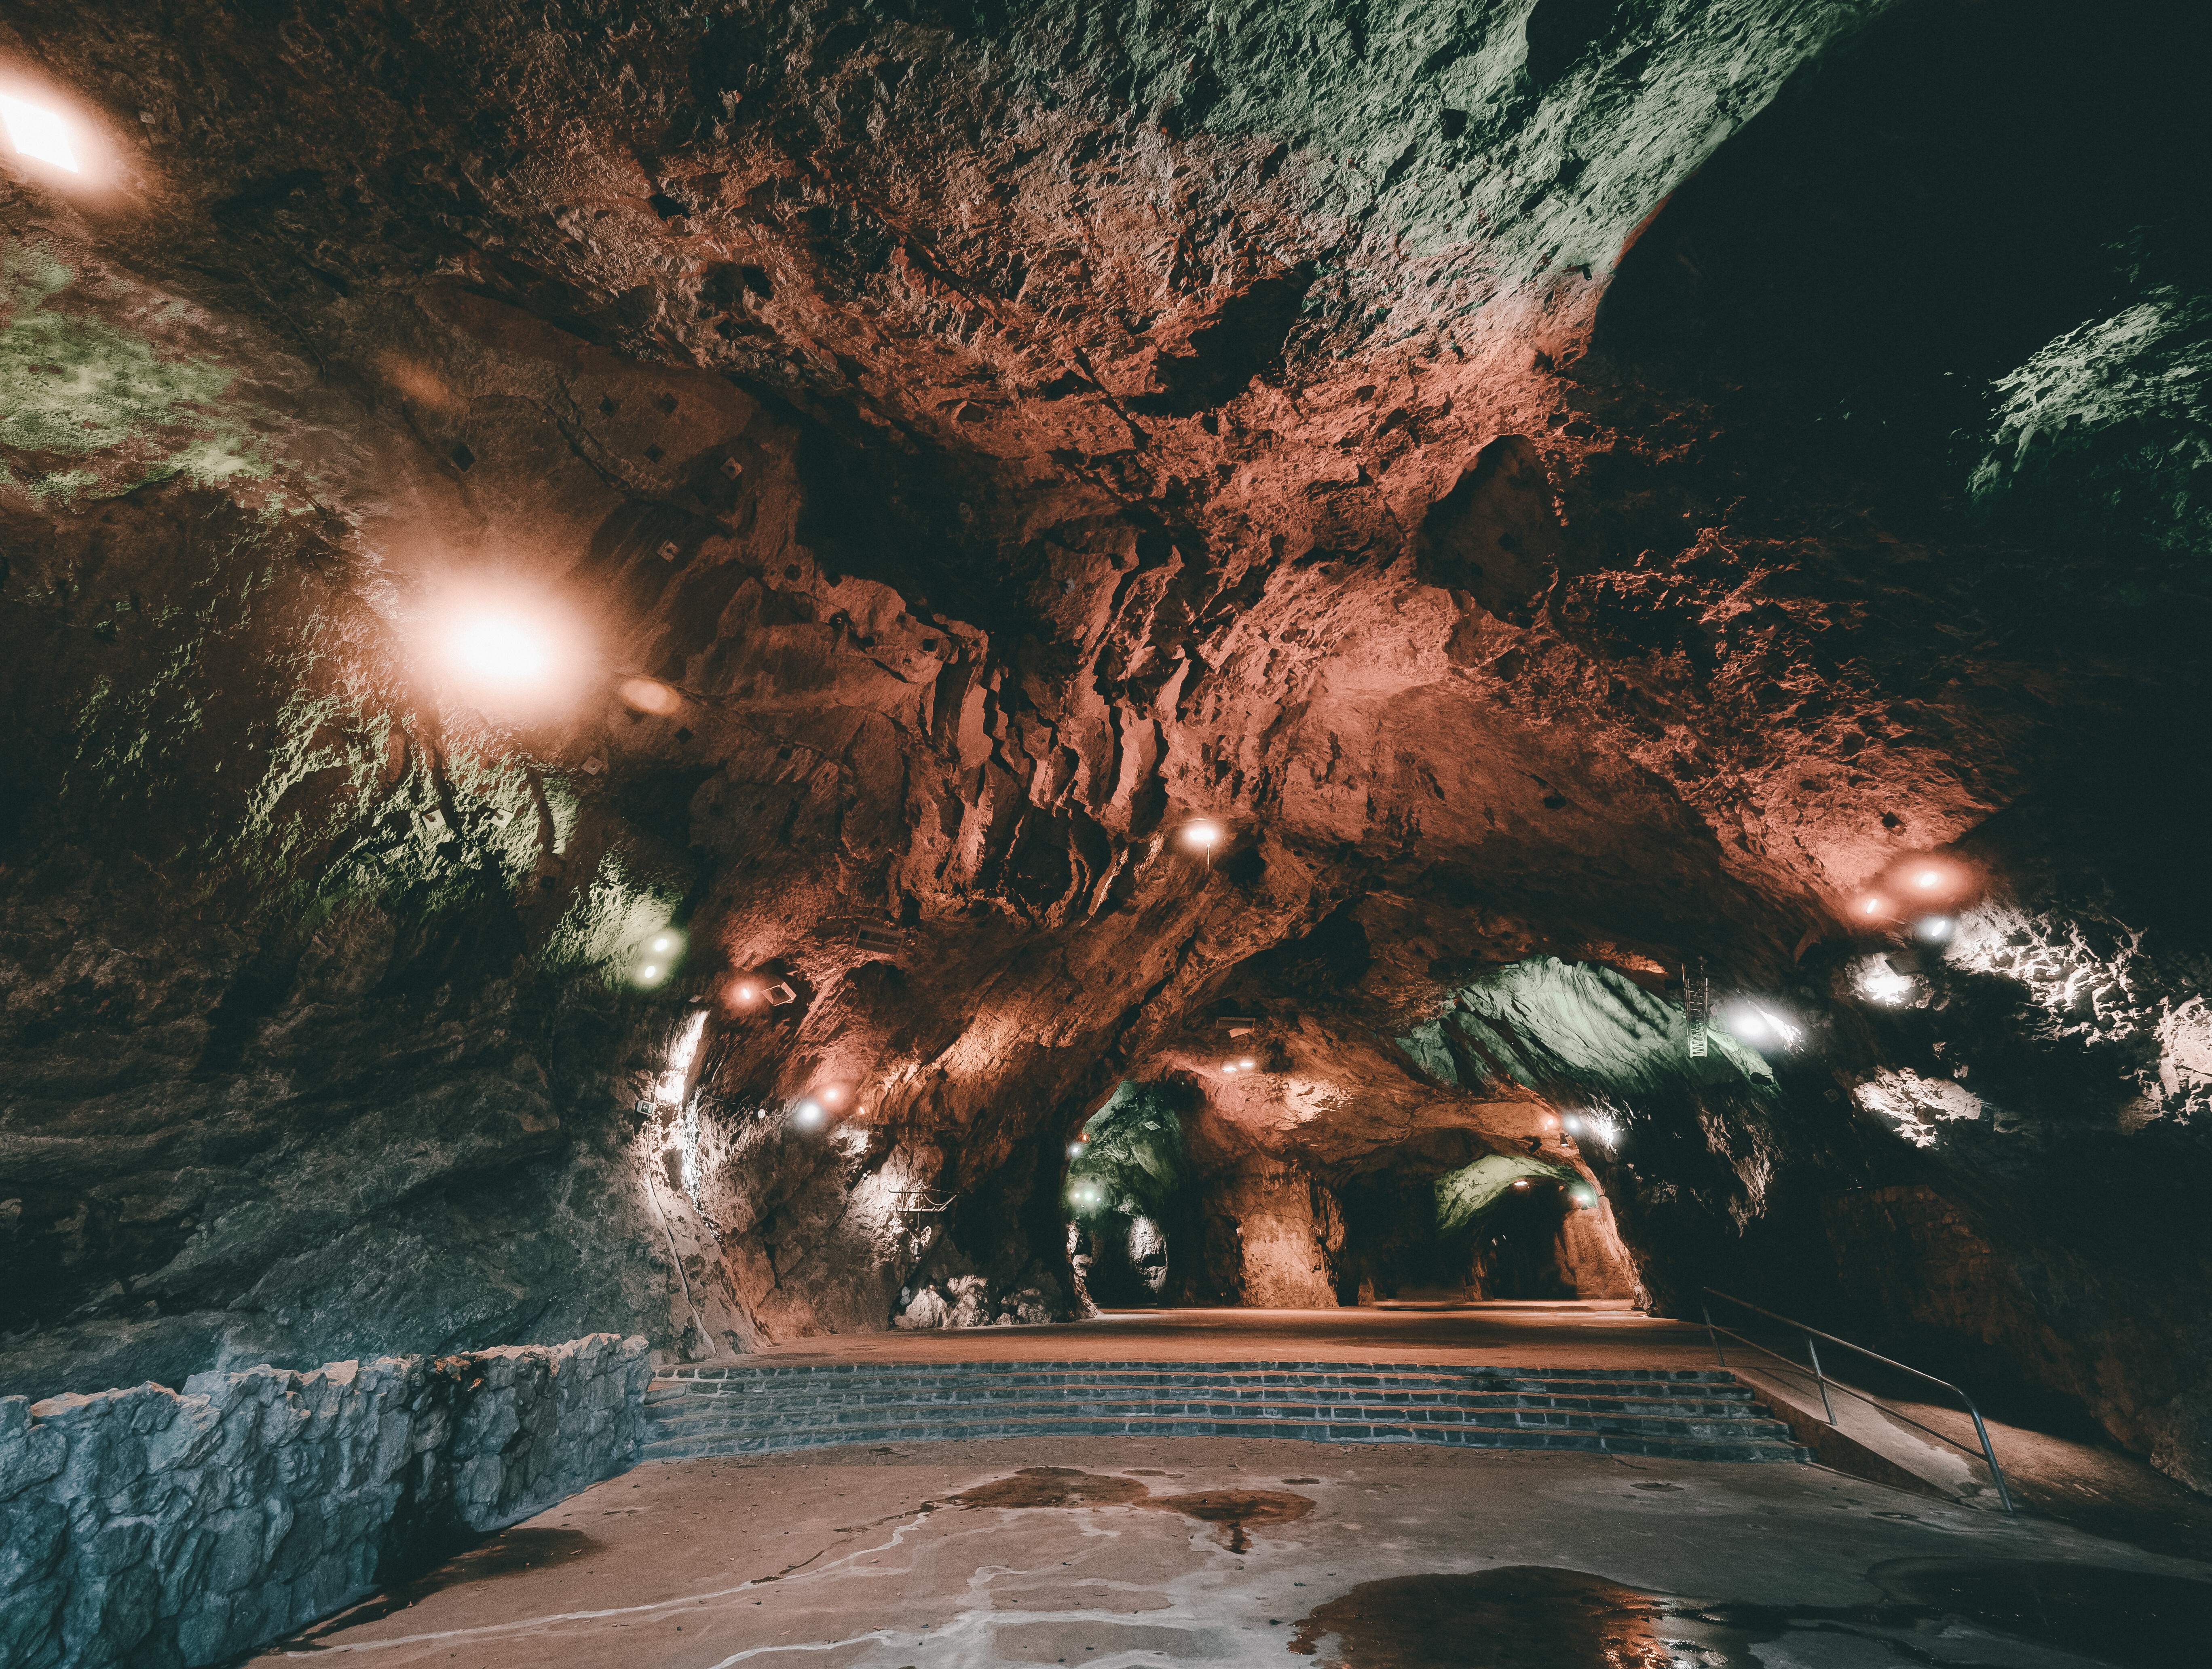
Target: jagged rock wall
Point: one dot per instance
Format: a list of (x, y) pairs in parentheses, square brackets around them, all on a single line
[(148, 1526)]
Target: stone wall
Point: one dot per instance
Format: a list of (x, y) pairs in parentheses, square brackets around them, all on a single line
[(148, 1527)]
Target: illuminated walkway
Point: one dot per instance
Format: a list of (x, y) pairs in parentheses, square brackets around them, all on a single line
[(1596, 1334)]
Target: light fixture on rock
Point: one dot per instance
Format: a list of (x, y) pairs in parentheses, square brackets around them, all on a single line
[(780, 996), (39, 133), (650, 695), (1934, 929), (808, 1114)]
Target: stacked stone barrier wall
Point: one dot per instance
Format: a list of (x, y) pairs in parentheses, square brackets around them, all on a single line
[(152, 1527)]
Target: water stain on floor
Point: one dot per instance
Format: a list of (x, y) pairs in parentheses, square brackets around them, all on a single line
[(1233, 1509), (1065, 1486), (1053, 1486), (503, 1555)]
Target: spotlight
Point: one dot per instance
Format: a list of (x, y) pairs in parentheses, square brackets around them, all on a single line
[(1520, 1182), (745, 993), (1574, 1125), (1878, 982), (1582, 1197), (1229, 1067), (832, 1097), (1933, 929), (648, 972), (497, 650), (1927, 878), (1872, 906), (1075, 1150), (1204, 835), (38, 133), (649, 695), (662, 943), (1755, 1024), (809, 1114), (1245, 1065)]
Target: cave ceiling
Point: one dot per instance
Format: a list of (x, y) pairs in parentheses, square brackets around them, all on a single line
[(1471, 458)]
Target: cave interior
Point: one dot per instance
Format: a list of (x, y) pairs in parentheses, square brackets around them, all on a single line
[(750, 673)]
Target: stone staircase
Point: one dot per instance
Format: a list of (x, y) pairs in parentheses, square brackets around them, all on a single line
[(1692, 1414)]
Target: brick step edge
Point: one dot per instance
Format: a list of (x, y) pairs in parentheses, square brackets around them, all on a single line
[(770, 1402), (1749, 1431), (1420, 1369)]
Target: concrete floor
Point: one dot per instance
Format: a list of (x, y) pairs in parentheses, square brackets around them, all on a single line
[(1134, 1553)]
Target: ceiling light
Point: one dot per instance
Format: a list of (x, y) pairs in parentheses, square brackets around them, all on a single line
[(497, 649), (649, 695), (38, 133)]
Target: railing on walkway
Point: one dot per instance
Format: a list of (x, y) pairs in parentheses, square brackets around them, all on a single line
[(1813, 1355)]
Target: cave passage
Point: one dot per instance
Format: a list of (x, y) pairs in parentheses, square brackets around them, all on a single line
[(747, 728)]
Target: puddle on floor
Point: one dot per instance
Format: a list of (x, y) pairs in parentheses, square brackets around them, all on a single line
[(506, 1554), (2133, 1618), (1520, 1617), (1233, 1509), (1537, 1616)]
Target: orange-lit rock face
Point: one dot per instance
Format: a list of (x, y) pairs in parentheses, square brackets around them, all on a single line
[(1042, 536)]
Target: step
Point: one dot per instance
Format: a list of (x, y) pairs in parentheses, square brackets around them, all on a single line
[(682, 1446), (750, 1407), (1079, 1396)]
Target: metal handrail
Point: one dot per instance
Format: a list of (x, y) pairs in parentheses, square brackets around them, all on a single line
[(1712, 1332)]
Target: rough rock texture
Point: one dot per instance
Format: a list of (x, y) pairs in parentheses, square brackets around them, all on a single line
[(143, 1526), (1564, 492)]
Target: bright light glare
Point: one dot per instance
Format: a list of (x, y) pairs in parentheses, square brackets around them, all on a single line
[(648, 972), (1229, 1067), (498, 649), (1574, 1123), (1872, 906), (1246, 1064), (38, 133), (1934, 929), (1927, 878), (1520, 1182), (662, 943), (832, 1097), (1075, 1150), (1755, 1024), (809, 1114), (1204, 835), (1886, 986), (745, 994)]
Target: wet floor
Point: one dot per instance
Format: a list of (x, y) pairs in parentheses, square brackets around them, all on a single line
[(1148, 1552)]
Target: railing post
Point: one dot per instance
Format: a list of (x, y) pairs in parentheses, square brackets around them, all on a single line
[(1813, 1351), (1713, 1333), (2004, 1495)]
